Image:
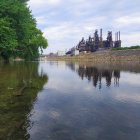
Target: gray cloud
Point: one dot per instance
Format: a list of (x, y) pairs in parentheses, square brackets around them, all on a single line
[(65, 22)]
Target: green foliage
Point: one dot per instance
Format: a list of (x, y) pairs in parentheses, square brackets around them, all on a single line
[(127, 48), (19, 36), (8, 40), (7, 36)]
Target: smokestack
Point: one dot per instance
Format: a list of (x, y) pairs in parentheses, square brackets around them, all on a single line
[(119, 35), (101, 34)]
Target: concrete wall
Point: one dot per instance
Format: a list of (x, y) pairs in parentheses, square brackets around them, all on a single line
[(105, 56)]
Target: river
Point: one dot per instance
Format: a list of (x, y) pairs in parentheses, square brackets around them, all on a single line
[(69, 101)]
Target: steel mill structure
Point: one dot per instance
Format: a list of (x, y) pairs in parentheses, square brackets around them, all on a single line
[(96, 43)]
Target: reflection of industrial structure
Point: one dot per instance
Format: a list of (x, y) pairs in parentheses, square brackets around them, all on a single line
[(96, 75), (96, 42)]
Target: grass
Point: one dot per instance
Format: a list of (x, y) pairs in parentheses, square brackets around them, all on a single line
[(127, 48)]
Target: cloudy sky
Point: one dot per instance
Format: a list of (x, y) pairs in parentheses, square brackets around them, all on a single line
[(65, 22)]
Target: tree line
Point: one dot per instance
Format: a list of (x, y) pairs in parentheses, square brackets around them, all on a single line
[(19, 35)]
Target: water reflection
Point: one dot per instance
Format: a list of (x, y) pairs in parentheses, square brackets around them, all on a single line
[(19, 85), (70, 108), (95, 75), (67, 107)]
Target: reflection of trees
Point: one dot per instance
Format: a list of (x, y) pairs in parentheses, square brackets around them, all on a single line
[(19, 86)]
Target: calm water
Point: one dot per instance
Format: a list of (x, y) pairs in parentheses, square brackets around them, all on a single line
[(69, 101)]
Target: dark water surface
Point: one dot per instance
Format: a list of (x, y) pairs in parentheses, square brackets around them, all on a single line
[(69, 101)]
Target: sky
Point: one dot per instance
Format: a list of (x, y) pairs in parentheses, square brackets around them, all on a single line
[(65, 22)]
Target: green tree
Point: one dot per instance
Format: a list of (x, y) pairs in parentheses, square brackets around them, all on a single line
[(8, 39), (19, 36)]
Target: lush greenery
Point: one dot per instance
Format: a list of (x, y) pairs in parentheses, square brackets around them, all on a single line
[(127, 48), (19, 36)]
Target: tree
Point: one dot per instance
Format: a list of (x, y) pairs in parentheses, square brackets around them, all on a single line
[(19, 35), (8, 40)]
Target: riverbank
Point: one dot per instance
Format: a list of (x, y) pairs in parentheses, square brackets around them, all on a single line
[(102, 56)]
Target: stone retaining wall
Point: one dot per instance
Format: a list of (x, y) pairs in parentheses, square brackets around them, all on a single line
[(104, 56)]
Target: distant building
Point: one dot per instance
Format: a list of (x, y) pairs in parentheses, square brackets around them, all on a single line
[(60, 53), (76, 52), (72, 51), (96, 42), (51, 55)]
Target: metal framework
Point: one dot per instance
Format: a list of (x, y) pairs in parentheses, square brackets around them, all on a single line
[(95, 43)]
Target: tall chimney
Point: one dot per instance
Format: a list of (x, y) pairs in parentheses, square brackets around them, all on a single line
[(101, 35), (119, 36), (101, 38)]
